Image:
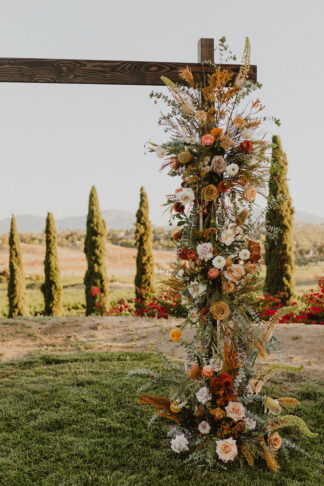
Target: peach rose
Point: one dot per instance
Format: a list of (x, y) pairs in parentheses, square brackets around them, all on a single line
[(207, 139), (228, 287), (235, 273), (210, 193), (213, 273), (207, 371), (226, 449), (249, 193), (201, 116), (275, 441), (220, 310), (235, 411)]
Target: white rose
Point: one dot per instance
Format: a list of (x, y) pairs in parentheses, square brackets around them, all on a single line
[(250, 423), (205, 251), (179, 444), (235, 410), (180, 274), (247, 134), (186, 196), (244, 254), (196, 289), (226, 449), (227, 237), (219, 262), (160, 152), (204, 427), (203, 395), (232, 169)]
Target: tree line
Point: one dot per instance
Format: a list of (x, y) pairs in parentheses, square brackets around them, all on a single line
[(279, 253), (95, 251)]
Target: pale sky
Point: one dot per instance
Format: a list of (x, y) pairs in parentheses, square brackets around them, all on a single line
[(58, 140)]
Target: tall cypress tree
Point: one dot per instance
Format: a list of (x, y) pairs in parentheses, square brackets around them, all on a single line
[(52, 287), (16, 284), (279, 256), (95, 250), (144, 259)]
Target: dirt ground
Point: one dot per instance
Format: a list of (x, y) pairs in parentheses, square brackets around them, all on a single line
[(300, 344)]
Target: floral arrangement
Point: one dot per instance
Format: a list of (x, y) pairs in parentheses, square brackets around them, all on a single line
[(216, 406)]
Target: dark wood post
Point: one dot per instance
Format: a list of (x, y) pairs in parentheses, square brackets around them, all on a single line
[(206, 50)]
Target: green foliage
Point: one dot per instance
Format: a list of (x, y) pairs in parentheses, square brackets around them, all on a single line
[(52, 287), (95, 250), (74, 421), (16, 282), (144, 258), (279, 256)]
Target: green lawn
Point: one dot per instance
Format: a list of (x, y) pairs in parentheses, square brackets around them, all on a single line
[(73, 420)]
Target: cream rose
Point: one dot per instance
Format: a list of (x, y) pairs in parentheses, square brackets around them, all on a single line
[(203, 395), (179, 444), (186, 196), (235, 273), (226, 449), (205, 251), (204, 427), (196, 289), (249, 193), (227, 237), (235, 410), (218, 164)]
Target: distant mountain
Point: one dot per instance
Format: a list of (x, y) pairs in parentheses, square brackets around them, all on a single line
[(115, 219), (27, 223)]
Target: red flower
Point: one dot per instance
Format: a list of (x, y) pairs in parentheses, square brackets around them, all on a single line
[(94, 291), (178, 207), (246, 146), (224, 186), (226, 379), (177, 235)]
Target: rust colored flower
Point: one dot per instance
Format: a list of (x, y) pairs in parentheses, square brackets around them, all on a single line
[(255, 251), (177, 235), (194, 372), (178, 207), (217, 132), (228, 287), (210, 193), (207, 139), (217, 413), (192, 255), (183, 254), (275, 441), (224, 186), (249, 193), (175, 335), (174, 163), (226, 379), (220, 310), (246, 146)]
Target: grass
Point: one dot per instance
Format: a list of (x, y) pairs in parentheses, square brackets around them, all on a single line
[(74, 421)]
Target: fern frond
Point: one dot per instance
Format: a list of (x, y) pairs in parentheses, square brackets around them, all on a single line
[(270, 458), (158, 403)]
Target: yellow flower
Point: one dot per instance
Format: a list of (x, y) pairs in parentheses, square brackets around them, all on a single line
[(175, 335), (184, 157), (210, 193)]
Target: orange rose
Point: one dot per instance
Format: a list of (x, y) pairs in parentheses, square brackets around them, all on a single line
[(213, 273), (207, 371), (210, 193), (228, 287), (249, 193), (217, 132), (220, 310), (175, 335), (207, 139), (246, 146)]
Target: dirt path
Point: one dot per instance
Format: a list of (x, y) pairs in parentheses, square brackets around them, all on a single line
[(301, 344)]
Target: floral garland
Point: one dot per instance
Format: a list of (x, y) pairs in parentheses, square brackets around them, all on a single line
[(217, 408)]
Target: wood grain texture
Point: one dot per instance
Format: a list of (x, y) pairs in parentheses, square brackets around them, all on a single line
[(20, 70), (206, 50)]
